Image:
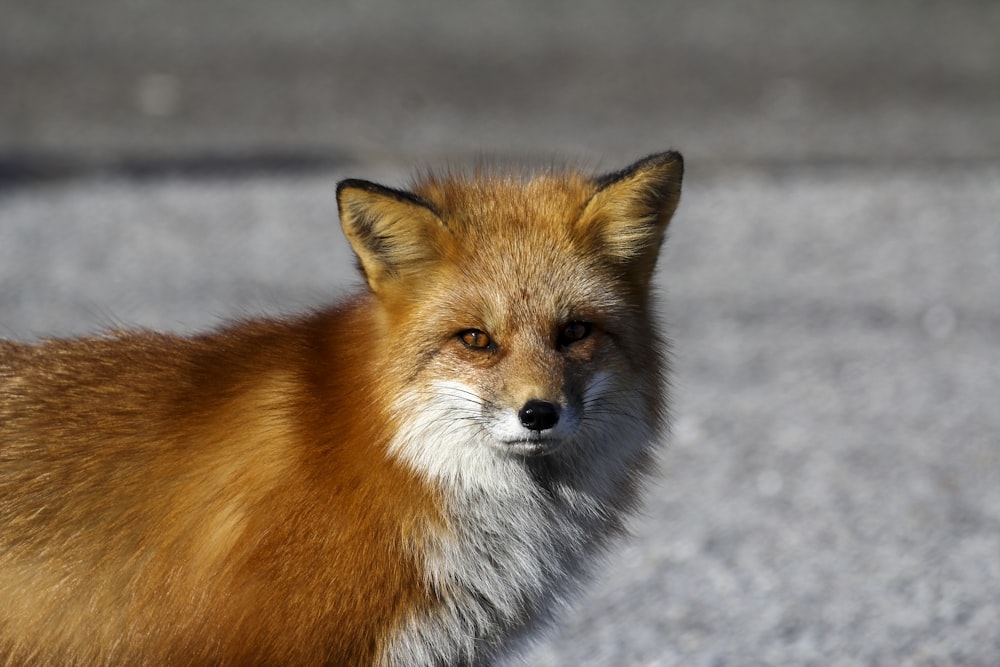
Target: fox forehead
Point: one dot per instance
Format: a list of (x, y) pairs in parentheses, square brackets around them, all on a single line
[(542, 246), (513, 254), (489, 204)]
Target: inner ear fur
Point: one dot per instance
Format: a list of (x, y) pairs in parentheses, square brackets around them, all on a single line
[(627, 217), (391, 231)]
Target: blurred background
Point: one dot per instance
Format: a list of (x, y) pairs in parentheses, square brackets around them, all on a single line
[(137, 82), (831, 491)]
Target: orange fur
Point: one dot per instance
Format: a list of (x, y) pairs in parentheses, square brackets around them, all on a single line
[(187, 499), (273, 492)]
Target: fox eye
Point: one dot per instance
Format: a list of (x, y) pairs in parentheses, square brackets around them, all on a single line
[(573, 332), (475, 339)]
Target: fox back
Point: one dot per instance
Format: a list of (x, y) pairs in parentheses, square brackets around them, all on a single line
[(418, 475)]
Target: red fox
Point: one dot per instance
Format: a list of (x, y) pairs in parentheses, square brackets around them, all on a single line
[(419, 475)]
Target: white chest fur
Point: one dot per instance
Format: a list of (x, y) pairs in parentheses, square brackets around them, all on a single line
[(521, 531)]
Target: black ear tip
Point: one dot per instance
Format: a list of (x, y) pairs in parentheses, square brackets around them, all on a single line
[(664, 158), (353, 184), (361, 184), (670, 162), (652, 161), (381, 190)]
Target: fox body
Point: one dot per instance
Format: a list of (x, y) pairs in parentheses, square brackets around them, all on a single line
[(415, 476)]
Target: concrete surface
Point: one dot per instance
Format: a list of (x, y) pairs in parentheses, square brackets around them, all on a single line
[(831, 495)]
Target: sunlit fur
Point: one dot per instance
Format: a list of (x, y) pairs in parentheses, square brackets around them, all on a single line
[(354, 486)]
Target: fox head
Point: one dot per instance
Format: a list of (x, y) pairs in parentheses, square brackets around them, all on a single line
[(513, 313)]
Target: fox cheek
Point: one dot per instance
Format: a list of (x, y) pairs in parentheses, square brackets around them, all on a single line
[(582, 351)]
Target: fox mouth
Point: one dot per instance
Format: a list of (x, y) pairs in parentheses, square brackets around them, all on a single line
[(537, 446)]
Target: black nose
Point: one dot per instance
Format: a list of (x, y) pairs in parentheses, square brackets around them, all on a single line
[(538, 415)]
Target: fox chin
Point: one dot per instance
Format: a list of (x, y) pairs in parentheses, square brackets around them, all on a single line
[(420, 474)]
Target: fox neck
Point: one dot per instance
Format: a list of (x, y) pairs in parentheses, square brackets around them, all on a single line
[(518, 530)]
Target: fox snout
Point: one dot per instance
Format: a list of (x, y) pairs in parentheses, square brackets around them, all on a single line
[(539, 425), (539, 415)]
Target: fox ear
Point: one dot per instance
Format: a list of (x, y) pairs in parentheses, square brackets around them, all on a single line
[(390, 230), (630, 211)]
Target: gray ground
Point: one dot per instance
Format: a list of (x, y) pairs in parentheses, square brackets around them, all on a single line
[(831, 495)]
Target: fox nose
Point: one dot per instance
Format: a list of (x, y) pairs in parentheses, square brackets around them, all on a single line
[(538, 415)]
